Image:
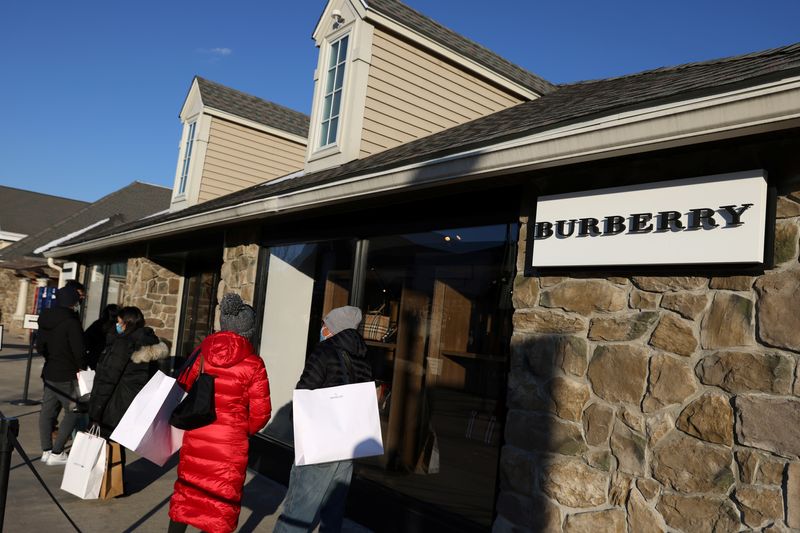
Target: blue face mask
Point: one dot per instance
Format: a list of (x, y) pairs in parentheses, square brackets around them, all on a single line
[(321, 336), (119, 328)]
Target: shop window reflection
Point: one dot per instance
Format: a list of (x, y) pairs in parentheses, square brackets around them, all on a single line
[(304, 282), (437, 322)]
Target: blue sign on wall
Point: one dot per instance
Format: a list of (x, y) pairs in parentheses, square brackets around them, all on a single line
[(46, 299)]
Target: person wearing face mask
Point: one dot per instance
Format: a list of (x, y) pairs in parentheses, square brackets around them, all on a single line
[(124, 369), (60, 341), (319, 491)]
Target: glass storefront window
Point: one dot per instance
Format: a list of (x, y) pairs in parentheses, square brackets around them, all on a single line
[(304, 282), (117, 274), (439, 304), (94, 294), (105, 285), (199, 304)]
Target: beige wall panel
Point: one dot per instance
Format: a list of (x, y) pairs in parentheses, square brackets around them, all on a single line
[(238, 157), (388, 47), (405, 95), (399, 122), (232, 180), (247, 136), (440, 87), (381, 137), (248, 161), (427, 122), (412, 94), (395, 91)]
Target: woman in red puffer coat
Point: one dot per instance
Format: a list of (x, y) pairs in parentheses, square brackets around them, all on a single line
[(213, 458)]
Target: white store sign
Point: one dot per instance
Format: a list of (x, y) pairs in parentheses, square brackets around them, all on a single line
[(706, 220)]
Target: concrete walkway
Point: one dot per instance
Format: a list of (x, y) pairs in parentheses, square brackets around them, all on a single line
[(30, 509)]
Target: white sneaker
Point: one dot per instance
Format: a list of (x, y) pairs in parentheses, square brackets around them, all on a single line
[(57, 459), (45, 456)]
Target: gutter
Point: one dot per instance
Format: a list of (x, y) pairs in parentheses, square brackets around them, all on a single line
[(768, 107)]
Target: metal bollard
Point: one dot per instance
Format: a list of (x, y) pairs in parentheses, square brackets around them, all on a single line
[(9, 429)]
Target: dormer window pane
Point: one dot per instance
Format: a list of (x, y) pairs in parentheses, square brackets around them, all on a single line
[(332, 98), (334, 54), (330, 80), (339, 77), (187, 157), (334, 126)]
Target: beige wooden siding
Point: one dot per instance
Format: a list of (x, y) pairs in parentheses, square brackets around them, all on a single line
[(411, 94), (238, 157)]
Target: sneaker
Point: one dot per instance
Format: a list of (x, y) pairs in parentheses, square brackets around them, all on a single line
[(45, 456), (57, 459)]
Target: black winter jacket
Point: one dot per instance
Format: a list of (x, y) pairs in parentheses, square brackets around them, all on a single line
[(97, 337), (325, 366), (122, 372), (60, 341)]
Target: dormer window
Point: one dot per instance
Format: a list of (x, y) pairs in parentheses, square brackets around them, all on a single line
[(332, 103), (187, 157)]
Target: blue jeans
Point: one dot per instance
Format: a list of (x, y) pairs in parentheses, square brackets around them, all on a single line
[(316, 492)]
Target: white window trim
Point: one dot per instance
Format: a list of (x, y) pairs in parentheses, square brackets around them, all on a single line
[(354, 93), (186, 155), (324, 93), (191, 192)]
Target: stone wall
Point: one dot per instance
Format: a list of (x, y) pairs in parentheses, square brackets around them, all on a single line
[(238, 273), (9, 291), (154, 289), (656, 403)]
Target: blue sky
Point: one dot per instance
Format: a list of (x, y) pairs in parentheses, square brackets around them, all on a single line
[(91, 90)]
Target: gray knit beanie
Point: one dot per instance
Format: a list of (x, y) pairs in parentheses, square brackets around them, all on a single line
[(237, 316), (342, 318)]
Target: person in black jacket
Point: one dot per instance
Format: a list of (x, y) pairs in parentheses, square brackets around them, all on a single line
[(124, 370), (60, 341), (321, 489), (98, 335)]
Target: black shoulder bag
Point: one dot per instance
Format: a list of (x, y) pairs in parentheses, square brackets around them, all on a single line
[(197, 409)]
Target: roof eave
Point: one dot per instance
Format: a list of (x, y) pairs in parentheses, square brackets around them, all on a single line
[(770, 107)]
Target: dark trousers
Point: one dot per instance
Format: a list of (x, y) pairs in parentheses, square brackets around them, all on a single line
[(57, 395)]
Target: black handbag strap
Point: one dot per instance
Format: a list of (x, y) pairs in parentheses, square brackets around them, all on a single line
[(187, 366), (348, 363)]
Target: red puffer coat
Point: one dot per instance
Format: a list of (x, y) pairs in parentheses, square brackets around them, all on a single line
[(213, 463)]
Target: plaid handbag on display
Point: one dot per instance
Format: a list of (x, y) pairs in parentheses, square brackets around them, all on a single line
[(375, 325)]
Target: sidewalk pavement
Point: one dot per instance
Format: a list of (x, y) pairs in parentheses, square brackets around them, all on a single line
[(29, 508)]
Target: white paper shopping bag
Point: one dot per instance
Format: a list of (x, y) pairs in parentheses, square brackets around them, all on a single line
[(336, 423), (145, 427), (83, 474), (85, 382)]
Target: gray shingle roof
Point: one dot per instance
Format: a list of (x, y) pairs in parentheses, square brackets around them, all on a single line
[(568, 104), (129, 204), (29, 212), (401, 13), (252, 107)]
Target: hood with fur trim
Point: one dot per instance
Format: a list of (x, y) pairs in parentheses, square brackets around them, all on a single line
[(152, 352)]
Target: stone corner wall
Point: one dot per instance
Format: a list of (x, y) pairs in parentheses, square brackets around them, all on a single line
[(240, 262), (155, 290), (656, 403)]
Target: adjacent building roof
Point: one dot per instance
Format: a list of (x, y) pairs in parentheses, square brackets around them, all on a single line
[(568, 104), (129, 204), (252, 108), (402, 14), (29, 212)]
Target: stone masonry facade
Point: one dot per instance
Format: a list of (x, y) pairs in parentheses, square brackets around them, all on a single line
[(649, 404), (238, 273), (155, 290)]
